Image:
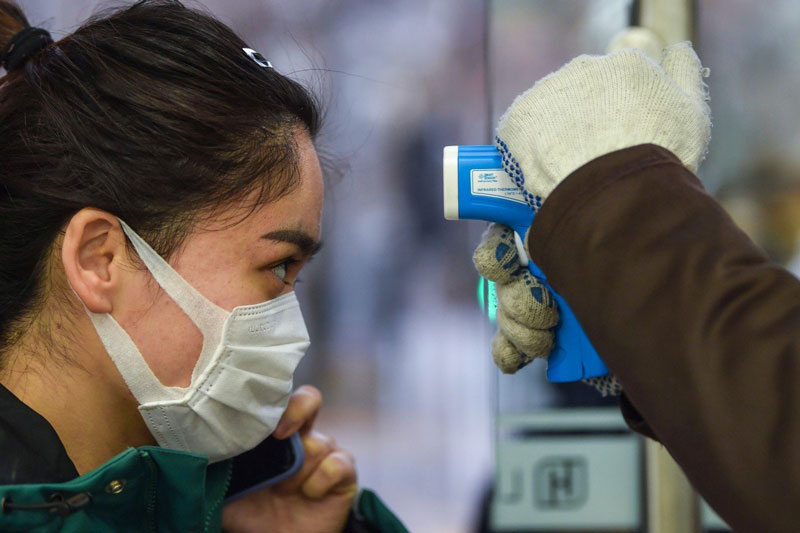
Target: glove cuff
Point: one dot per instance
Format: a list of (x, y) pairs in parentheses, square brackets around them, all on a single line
[(606, 385)]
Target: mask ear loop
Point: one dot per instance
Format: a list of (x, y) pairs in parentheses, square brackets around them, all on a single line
[(141, 381), (206, 315)]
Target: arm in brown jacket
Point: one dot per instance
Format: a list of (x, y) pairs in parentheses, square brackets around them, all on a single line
[(701, 328)]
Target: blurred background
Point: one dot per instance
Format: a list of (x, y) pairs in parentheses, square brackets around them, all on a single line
[(400, 346)]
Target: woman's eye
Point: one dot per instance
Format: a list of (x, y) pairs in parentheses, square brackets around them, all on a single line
[(280, 271)]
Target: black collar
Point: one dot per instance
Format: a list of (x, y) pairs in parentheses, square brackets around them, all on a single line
[(30, 450)]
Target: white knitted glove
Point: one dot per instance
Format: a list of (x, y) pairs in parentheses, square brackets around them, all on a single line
[(598, 104), (526, 311)]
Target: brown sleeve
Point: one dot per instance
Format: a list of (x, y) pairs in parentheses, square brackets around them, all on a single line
[(701, 328)]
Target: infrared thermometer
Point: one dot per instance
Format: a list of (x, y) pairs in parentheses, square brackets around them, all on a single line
[(477, 188)]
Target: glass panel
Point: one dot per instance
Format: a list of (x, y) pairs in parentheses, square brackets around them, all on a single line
[(566, 468), (529, 39)]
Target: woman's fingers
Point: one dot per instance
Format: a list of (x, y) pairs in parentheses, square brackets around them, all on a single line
[(336, 473), (317, 446), (327, 468), (301, 412)]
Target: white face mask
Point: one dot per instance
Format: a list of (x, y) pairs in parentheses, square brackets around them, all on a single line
[(241, 382)]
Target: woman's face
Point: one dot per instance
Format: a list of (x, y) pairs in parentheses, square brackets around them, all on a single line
[(231, 266)]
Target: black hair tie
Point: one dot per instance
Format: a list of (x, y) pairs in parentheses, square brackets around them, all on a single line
[(21, 46)]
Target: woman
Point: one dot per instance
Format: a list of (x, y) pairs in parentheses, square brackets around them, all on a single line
[(128, 381)]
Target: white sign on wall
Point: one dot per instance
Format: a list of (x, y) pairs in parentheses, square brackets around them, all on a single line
[(567, 469)]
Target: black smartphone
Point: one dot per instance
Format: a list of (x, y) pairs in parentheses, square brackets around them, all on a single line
[(268, 463)]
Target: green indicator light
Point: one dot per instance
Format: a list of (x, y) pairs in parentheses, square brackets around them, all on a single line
[(487, 299)]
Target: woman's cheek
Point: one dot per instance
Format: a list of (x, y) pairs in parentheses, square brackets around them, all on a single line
[(168, 340)]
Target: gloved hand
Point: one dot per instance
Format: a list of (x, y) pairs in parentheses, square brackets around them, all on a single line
[(598, 104), (526, 311)]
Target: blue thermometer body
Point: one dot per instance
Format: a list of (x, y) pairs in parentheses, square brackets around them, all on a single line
[(477, 188)]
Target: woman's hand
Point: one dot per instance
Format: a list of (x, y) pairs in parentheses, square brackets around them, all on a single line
[(318, 498)]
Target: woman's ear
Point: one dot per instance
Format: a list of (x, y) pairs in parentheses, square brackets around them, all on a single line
[(92, 251)]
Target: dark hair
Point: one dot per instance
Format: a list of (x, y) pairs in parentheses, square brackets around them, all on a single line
[(152, 112)]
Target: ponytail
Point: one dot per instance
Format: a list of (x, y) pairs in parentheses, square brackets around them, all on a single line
[(12, 21)]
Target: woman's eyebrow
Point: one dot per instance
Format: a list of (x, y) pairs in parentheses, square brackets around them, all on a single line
[(308, 245)]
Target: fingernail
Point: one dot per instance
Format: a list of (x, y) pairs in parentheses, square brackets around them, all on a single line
[(311, 447)]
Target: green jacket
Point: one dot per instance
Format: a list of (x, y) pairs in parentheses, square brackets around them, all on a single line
[(147, 489), (144, 489)]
